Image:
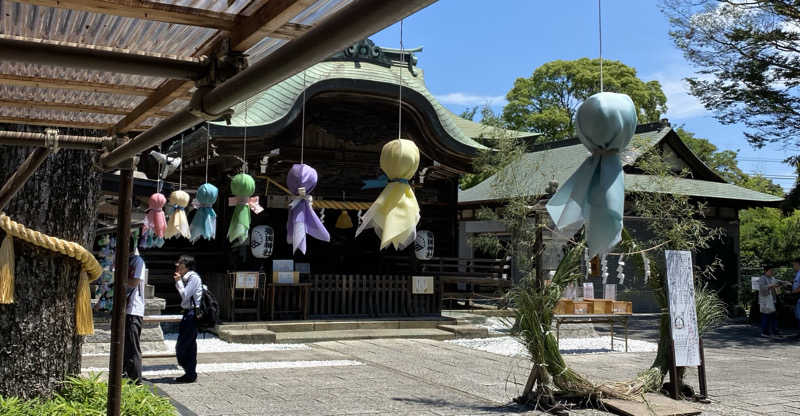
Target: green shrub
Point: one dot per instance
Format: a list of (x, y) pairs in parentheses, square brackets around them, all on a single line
[(87, 397)]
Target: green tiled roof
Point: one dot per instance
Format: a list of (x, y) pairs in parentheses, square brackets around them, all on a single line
[(535, 170), (275, 103)]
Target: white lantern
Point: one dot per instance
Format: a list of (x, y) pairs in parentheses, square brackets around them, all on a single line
[(261, 241), (423, 245)]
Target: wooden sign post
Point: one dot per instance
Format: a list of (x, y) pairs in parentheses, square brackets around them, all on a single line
[(687, 347)]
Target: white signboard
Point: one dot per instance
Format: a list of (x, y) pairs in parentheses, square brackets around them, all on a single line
[(682, 310), (247, 280), (588, 290), (754, 283), (610, 292), (422, 285)]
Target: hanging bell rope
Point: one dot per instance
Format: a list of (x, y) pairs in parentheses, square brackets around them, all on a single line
[(90, 268)]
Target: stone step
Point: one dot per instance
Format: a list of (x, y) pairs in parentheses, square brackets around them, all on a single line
[(354, 334), (247, 336), (466, 331), (306, 326)]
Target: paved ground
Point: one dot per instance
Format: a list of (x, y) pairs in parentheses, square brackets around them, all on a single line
[(747, 375)]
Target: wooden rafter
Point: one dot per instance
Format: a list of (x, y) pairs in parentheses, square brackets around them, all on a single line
[(147, 10), (52, 123), (270, 17), (25, 81), (290, 31), (77, 107)]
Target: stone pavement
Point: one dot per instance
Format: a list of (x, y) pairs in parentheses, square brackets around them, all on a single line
[(746, 375)]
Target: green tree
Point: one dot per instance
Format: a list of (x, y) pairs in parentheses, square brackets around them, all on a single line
[(546, 102), (748, 53), (768, 236)]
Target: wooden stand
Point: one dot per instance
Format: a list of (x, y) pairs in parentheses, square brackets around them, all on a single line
[(303, 296), (251, 295)]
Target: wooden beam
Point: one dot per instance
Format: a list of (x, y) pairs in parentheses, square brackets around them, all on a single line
[(266, 20), (290, 31), (146, 10), (271, 16), (164, 95), (53, 123), (25, 81), (77, 107)]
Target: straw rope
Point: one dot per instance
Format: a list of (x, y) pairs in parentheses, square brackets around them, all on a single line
[(90, 268)]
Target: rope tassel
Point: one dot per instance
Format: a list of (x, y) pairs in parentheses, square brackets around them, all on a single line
[(84, 321), (7, 270)]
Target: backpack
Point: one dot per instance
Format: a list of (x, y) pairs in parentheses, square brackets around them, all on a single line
[(207, 312)]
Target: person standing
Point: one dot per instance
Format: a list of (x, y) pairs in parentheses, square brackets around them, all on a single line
[(134, 314), (190, 287), (796, 287), (766, 302)]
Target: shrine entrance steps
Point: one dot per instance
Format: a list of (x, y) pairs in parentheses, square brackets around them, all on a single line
[(291, 332)]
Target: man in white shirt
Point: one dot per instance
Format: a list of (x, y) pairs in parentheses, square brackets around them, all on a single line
[(134, 313), (190, 287), (766, 302)]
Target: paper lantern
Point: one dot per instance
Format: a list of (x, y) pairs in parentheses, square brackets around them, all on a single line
[(204, 223), (178, 224), (261, 241), (242, 187), (301, 181), (344, 222), (155, 222), (395, 214), (595, 193), (423, 245)]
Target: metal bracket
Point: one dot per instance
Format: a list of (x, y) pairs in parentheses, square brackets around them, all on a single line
[(51, 140)]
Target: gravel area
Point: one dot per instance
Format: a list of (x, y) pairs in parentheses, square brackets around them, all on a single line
[(510, 347), (210, 343), (172, 369)]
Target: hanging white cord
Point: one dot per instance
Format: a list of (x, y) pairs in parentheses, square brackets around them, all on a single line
[(303, 121), (600, 35), (400, 100), (244, 150), (208, 129), (180, 168), (159, 185)]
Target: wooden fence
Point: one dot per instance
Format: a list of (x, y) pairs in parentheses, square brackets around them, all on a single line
[(336, 295)]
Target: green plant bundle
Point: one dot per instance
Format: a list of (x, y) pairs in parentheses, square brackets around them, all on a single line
[(86, 396)]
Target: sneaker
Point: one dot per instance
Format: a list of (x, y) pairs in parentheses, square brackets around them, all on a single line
[(186, 379)]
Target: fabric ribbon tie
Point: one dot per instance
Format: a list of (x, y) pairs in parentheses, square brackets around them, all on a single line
[(381, 182), (595, 194), (198, 205), (251, 202), (301, 196)]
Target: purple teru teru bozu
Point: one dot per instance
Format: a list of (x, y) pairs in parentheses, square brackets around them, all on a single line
[(301, 180)]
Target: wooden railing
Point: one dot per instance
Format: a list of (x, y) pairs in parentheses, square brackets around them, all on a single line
[(368, 296)]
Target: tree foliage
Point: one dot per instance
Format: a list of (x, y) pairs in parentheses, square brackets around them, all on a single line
[(546, 102), (748, 53)]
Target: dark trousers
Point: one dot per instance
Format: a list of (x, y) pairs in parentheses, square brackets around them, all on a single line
[(186, 347), (769, 323), (132, 357)]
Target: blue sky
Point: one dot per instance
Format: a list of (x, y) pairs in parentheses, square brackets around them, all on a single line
[(474, 50)]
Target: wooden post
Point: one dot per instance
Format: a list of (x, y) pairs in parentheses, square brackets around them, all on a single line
[(21, 176), (701, 371), (120, 283), (673, 371)]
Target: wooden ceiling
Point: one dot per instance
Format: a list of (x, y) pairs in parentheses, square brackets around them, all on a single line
[(113, 102)]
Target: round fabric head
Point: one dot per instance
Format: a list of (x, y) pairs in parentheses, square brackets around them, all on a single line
[(400, 159), (179, 198), (207, 194), (301, 176), (156, 201), (606, 121), (243, 185)]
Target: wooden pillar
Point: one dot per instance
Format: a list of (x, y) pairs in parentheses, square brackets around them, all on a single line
[(120, 283)]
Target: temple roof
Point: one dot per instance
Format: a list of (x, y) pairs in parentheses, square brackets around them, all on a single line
[(372, 70), (558, 160)]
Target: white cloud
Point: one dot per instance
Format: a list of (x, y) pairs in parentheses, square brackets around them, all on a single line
[(681, 104), (460, 98)]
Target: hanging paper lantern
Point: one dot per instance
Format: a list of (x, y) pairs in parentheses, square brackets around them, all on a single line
[(595, 193), (395, 214), (204, 223), (423, 245), (178, 224), (301, 180), (242, 186), (155, 223), (261, 241), (344, 222)]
